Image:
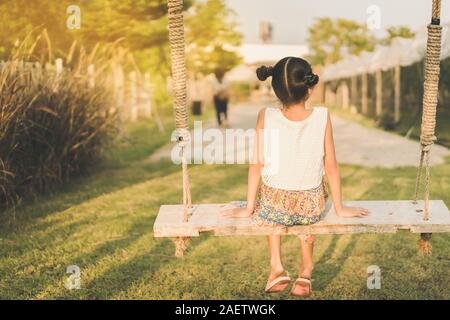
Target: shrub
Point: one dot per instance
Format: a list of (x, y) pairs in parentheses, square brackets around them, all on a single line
[(52, 127), (386, 121)]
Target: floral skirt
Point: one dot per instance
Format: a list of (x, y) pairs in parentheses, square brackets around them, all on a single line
[(277, 207)]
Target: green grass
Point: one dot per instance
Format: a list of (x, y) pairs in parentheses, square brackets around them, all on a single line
[(103, 223)]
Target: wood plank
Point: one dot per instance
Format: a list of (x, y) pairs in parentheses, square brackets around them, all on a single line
[(385, 217)]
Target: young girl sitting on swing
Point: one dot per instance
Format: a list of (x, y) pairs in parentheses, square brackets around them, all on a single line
[(293, 193)]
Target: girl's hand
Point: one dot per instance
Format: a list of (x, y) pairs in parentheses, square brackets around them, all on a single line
[(350, 212), (237, 213)]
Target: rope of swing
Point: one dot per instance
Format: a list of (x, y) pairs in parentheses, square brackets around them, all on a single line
[(430, 100), (178, 65)]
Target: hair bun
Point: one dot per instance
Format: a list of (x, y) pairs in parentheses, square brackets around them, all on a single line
[(264, 72), (312, 79)]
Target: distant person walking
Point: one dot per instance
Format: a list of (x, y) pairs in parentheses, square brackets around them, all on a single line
[(221, 89), (196, 96)]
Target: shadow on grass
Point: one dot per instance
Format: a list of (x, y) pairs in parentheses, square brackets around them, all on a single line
[(120, 278), (328, 270), (85, 189), (378, 190)]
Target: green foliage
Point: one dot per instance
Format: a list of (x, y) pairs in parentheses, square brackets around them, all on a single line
[(397, 32), (20, 17), (400, 31), (138, 25), (211, 36), (241, 91), (330, 40)]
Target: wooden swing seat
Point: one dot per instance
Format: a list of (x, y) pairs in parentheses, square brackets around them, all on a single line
[(385, 217)]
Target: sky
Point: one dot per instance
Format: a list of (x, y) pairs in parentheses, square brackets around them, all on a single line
[(291, 18)]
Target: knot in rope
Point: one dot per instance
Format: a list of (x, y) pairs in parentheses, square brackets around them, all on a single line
[(183, 137)]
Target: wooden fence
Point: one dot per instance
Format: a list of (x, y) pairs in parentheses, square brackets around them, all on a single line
[(132, 91), (390, 93)]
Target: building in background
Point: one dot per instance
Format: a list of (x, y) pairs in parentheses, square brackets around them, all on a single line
[(265, 32)]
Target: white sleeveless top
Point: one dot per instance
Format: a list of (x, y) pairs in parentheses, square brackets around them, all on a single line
[(294, 150)]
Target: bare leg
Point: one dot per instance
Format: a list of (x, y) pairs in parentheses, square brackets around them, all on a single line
[(276, 266), (306, 265)]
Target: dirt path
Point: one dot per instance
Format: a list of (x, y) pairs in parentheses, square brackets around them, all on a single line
[(355, 144)]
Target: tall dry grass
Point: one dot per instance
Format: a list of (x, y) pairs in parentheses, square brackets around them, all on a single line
[(52, 126)]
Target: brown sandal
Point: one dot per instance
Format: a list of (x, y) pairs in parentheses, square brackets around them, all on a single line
[(303, 282), (281, 280)]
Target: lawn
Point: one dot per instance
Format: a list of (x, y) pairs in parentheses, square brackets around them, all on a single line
[(103, 223)]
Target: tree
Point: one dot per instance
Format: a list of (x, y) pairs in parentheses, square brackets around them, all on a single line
[(20, 18), (329, 40), (212, 37), (139, 24), (397, 32)]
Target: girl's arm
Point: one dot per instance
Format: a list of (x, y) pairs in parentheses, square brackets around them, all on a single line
[(254, 174), (256, 166), (334, 177)]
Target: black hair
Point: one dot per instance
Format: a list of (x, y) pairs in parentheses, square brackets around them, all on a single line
[(291, 79), (219, 73)]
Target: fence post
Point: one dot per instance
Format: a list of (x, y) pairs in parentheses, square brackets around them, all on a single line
[(330, 96), (379, 94), (339, 95), (147, 95), (397, 93), (36, 75), (133, 96), (91, 76), (59, 66), (364, 92), (345, 95), (119, 91), (58, 72), (48, 67), (353, 94), (326, 99)]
